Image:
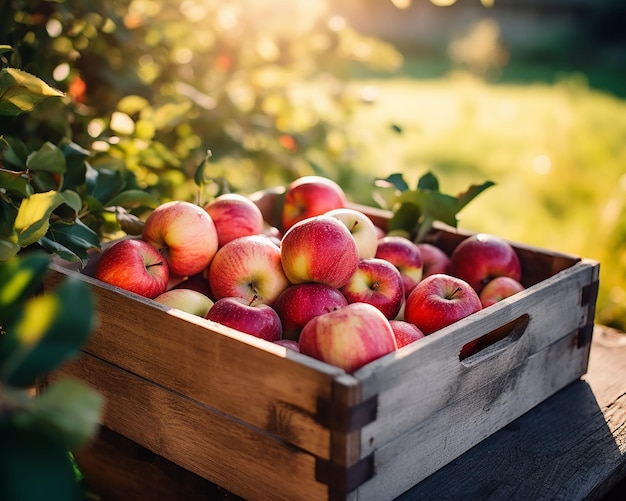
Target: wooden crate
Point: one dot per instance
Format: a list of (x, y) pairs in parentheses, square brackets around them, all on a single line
[(267, 423)]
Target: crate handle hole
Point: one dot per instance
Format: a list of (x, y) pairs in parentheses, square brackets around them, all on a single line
[(495, 341)]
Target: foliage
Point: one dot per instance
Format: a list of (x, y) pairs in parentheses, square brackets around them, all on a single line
[(39, 333), (415, 211)]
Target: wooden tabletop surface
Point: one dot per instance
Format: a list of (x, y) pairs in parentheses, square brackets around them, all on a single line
[(570, 447)]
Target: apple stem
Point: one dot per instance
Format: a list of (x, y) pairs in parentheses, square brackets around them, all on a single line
[(160, 263), (450, 296), (254, 298), (356, 223), (375, 285)]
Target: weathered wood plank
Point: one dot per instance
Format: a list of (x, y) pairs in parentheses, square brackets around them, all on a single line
[(570, 447), (426, 377), (213, 445), (246, 377)]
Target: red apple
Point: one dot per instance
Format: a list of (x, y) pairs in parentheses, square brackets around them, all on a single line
[(377, 282), (349, 337), (405, 332), (319, 249), (198, 282), (289, 343), (254, 318), (134, 265), (481, 257), (434, 260), (362, 229), (248, 267), (235, 216), (187, 300), (310, 196), (185, 235), (499, 288), (404, 255), (298, 304), (438, 301)]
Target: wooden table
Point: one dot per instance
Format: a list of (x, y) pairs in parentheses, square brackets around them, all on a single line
[(570, 447)]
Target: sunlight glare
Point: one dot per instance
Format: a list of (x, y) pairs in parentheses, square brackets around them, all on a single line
[(542, 164), (402, 4), (443, 3)]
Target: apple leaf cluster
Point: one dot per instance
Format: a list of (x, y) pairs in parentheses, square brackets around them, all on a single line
[(52, 196), (415, 211), (39, 333)]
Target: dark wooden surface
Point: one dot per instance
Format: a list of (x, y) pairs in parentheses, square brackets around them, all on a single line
[(570, 447)]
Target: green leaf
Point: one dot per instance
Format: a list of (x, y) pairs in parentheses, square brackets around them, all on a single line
[(5, 48), (20, 277), (398, 181), (75, 159), (34, 466), (46, 332), (73, 200), (67, 411), (472, 192), (428, 182), (103, 184), (8, 249), (48, 158), (21, 92), (32, 219), (71, 241), (134, 198), (18, 182), (17, 153), (201, 176)]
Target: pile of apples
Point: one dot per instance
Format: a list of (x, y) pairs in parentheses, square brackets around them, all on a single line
[(329, 283)]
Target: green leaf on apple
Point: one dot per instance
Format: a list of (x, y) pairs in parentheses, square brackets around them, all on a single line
[(415, 211)]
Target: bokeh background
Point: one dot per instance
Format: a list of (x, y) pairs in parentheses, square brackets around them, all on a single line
[(527, 93)]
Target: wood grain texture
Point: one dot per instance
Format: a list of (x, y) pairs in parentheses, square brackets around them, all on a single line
[(570, 447)]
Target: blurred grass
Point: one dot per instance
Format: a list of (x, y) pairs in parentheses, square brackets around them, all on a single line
[(557, 153)]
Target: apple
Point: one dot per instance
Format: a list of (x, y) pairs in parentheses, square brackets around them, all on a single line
[(310, 196), (248, 267), (288, 343), (377, 282), (404, 255), (187, 300), (319, 249), (234, 216), (362, 229), (405, 332), (299, 303), (440, 300), (198, 282), (481, 257), (134, 265), (251, 317), (499, 288), (349, 337), (184, 233), (434, 260)]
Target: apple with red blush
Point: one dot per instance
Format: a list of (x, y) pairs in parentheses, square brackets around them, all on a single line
[(499, 288), (481, 257), (310, 196), (289, 344), (434, 259), (234, 216), (134, 265), (349, 337), (184, 233), (405, 332), (319, 249), (187, 300), (362, 229), (299, 303), (250, 268), (377, 282), (440, 300), (405, 256), (250, 317)]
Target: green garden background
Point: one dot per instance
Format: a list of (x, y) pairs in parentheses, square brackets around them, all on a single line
[(526, 94)]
